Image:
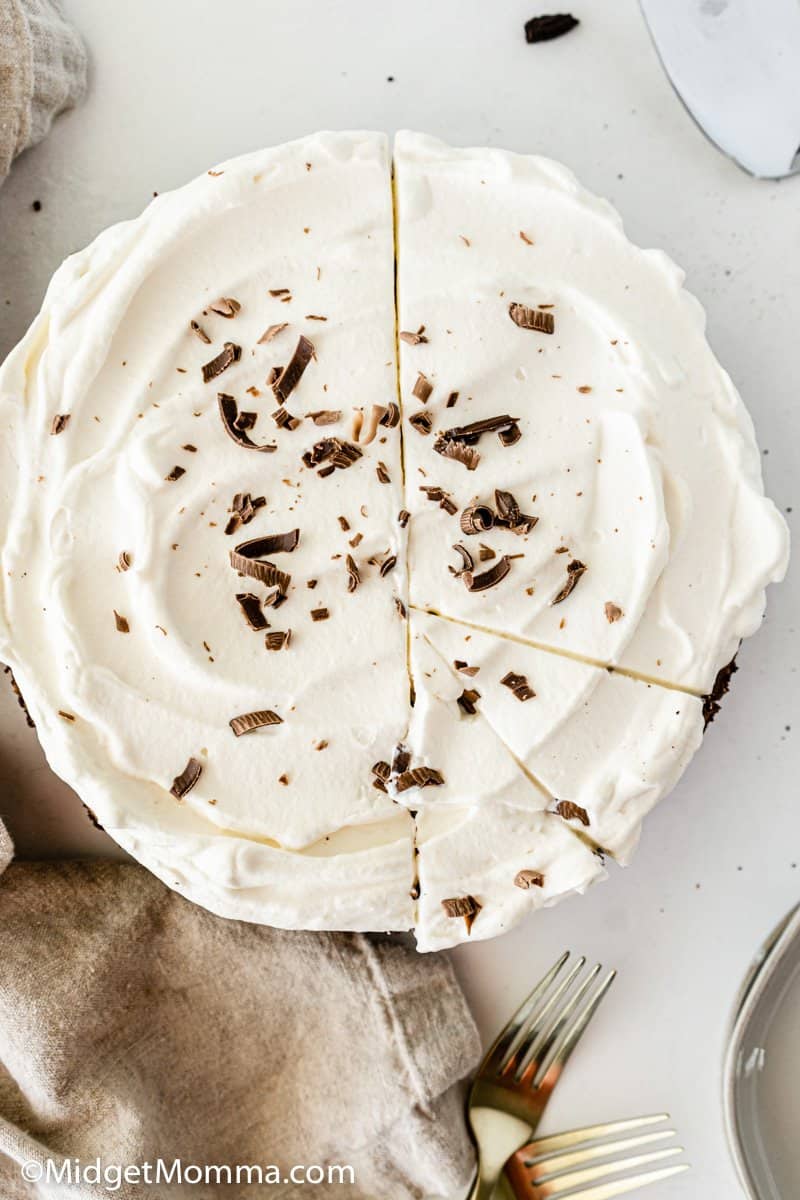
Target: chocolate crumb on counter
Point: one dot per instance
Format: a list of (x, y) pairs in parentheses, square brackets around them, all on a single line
[(549, 26)]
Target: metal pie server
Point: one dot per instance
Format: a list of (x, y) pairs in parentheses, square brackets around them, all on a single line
[(736, 66)]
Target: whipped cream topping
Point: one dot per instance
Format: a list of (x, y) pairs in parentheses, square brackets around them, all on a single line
[(615, 503)]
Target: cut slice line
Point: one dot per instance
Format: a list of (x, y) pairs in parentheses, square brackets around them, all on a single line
[(665, 684)]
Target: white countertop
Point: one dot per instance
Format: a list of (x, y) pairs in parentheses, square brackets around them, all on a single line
[(177, 87)]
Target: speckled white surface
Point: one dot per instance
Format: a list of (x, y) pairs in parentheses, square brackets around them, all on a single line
[(172, 91)]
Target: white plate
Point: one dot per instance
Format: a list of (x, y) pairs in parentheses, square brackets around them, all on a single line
[(762, 1069)]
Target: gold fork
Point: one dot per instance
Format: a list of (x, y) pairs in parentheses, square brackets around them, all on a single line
[(518, 1074), (568, 1163)]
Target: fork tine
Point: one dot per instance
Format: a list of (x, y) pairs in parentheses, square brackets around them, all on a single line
[(614, 1188), (551, 1165), (581, 1175), (537, 1022), (508, 1035), (539, 1049), (559, 1056), (589, 1133)]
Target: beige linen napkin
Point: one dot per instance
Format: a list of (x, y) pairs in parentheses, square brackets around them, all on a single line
[(42, 72), (135, 1025)]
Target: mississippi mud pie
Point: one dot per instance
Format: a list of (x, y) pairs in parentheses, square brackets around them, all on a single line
[(354, 602)]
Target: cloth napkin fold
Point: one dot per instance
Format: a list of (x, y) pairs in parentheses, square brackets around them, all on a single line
[(42, 72), (135, 1025)]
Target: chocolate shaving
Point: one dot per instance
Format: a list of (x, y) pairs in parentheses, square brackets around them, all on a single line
[(413, 339), (466, 701), (451, 400), (121, 623), (325, 416), (403, 517), (422, 388), (422, 421), (532, 318), (271, 543), (519, 685), (464, 668), (247, 722), (332, 453), (59, 423), (256, 568), (722, 683), (226, 306), (279, 291), (476, 518), (462, 906), (383, 473), (271, 332), (552, 25), (613, 612), (388, 565), (528, 879), (175, 474), (319, 614), (315, 317), (278, 639), (382, 770), (391, 417), (344, 524), (485, 553), (124, 561), (243, 508), (401, 760), (353, 574), (574, 571), (488, 578), (182, 784), (572, 812), (230, 353), (229, 412), (509, 514), (245, 420), (401, 608), (419, 777), (471, 434), (284, 419), (467, 561), (510, 436), (370, 429), (200, 332), (251, 608), (458, 451), (291, 374)]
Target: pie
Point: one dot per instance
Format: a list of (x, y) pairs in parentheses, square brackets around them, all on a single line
[(347, 606)]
